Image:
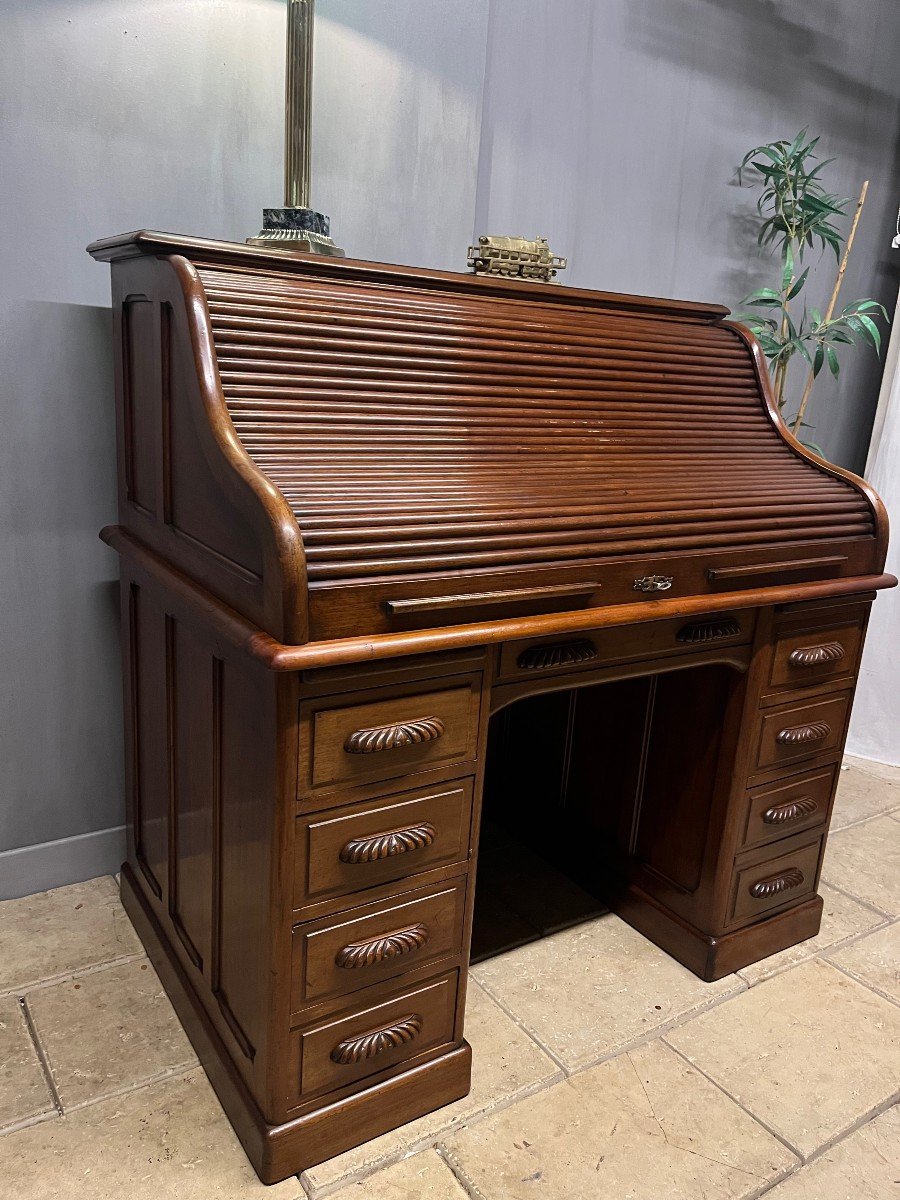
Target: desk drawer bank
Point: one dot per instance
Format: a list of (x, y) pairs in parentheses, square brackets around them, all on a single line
[(406, 551)]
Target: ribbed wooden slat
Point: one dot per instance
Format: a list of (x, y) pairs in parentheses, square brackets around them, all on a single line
[(414, 432)]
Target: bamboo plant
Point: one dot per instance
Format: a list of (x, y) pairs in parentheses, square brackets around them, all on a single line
[(798, 216)]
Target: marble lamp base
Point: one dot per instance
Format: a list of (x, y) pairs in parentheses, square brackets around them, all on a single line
[(296, 229)]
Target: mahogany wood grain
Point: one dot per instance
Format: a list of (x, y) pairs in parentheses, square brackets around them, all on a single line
[(384, 537)]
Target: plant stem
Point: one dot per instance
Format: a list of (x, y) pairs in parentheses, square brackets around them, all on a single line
[(833, 301)]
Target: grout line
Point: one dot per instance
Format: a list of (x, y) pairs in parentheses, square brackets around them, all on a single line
[(753, 1116), (468, 1187), (626, 1047), (126, 1089), (859, 900), (27, 1122), (870, 1115), (821, 954), (78, 973), (886, 812), (864, 982), (41, 1053), (854, 766), (429, 1141)]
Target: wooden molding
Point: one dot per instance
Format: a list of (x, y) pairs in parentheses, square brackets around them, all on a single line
[(358, 1049), (697, 632)]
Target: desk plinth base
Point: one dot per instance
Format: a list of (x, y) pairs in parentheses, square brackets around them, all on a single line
[(710, 957), (279, 1151)]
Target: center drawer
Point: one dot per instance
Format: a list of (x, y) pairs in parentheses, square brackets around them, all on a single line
[(367, 945), (362, 845)]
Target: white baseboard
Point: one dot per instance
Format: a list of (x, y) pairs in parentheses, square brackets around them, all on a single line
[(69, 860)]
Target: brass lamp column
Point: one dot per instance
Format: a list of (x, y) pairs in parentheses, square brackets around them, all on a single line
[(297, 226)]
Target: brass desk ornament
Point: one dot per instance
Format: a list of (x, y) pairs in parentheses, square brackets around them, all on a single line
[(515, 258), (297, 226)]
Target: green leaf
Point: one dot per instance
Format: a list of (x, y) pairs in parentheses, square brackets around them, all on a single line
[(833, 365), (798, 285), (788, 273), (871, 330), (819, 359), (816, 317)]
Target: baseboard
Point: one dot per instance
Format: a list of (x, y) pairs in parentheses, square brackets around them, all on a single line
[(46, 865)]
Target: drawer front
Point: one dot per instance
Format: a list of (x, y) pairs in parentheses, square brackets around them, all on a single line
[(789, 808), (352, 952), (546, 656), (389, 738), (378, 842), (802, 731), (779, 881), (367, 1042), (815, 656)]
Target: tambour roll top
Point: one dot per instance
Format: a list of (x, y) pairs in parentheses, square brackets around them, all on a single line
[(454, 448)]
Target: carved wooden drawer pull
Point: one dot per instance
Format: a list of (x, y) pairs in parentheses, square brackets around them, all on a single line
[(380, 949), (393, 737), (708, 631), (794, 810), (815, 656), (386, 845), (797, 735), (541, 658), (358, 1049), (773, 886)]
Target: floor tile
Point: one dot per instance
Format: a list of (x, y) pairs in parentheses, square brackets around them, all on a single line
[(644, 1126), (810, 1052), (589, 991), (424, 1176), (865, 861), (107, 1031), (505, 1064), (842, 918), (865, 1166), (23, 1090), (882, 770), (874, 960), (861, 795), (51, 934), (169, 1141)]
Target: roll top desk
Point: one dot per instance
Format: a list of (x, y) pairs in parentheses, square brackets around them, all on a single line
[(407, 554)]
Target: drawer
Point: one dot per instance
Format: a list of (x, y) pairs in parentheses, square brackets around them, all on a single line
[(545, 656), (816, 656), (778, 881), (777, 812), (801, 731), (343, 1051), (389, 738), (379, 942), (357, 847)]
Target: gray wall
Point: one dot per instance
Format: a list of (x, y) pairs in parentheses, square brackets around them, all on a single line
[(612, 127)]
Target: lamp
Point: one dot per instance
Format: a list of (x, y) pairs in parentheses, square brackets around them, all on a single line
[(296, 226)]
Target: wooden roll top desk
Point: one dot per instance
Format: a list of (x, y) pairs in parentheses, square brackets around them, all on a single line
[(407, 554)]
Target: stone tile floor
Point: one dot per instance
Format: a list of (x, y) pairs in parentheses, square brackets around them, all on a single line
[(606, 1072)]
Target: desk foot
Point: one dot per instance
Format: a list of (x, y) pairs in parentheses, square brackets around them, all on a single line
[(711, 957)]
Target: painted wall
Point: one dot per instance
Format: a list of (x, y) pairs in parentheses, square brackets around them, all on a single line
[(611, 127)]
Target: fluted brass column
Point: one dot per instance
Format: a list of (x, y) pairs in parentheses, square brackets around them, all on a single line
[(297, 226)]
